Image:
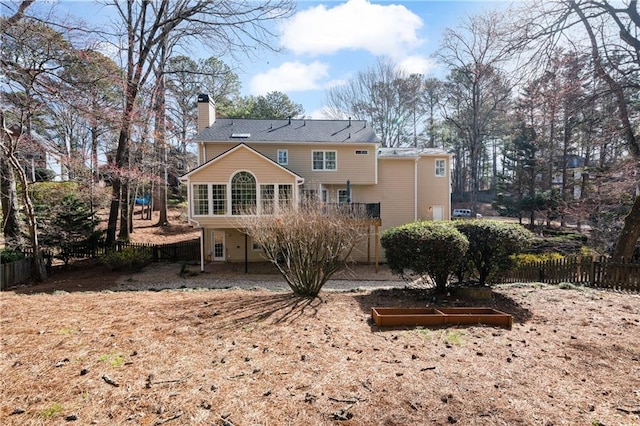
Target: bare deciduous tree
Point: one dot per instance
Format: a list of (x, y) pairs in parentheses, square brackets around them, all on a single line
[(385, 95), (228, 25), (478, 89), (609, 31)]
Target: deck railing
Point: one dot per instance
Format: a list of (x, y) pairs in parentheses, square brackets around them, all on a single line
[(368, 210)]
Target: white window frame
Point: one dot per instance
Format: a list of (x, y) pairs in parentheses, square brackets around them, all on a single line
[(441, 167), (324, 161), (239, 197), (207, 201), (212, 210), (343, 192), (285, 153), (362, 152)]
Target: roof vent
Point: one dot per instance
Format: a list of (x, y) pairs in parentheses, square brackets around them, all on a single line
[(241, 135)]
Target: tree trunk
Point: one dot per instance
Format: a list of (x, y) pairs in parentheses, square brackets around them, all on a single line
[(124, 211), (39, 266), (161, 138), (11, 225), (630, 233)]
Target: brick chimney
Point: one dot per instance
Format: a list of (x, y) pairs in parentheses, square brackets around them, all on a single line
[(206, 112)]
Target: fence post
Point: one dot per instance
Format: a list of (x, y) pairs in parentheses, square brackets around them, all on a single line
[(540, 272), (592, 273)]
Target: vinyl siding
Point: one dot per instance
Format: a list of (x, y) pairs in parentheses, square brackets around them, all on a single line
[(396, 185), (433, 190), (234, 246), (359, 169), (224, 168), (394, 190)]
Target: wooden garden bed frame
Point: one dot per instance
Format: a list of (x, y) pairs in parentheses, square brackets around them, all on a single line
[(438, 317)]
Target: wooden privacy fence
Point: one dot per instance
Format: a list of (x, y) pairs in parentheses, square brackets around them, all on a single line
[(594, 272), (184, 250), (15, 272), (20, 271)]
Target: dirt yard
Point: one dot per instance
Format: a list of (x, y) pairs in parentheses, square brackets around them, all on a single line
[(241, 357), (85, 349)]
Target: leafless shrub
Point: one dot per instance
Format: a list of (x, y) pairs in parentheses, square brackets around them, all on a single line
[(309, 243)]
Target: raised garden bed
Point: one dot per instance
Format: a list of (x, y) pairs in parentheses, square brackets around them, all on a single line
[(434, 317)]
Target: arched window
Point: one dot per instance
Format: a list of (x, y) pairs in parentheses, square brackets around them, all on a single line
[(243, 194)]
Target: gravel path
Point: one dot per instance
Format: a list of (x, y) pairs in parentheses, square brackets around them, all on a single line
[(167, 276)]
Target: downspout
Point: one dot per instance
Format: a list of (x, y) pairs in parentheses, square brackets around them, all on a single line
[(246, 253), (415, 189), (201, 249)]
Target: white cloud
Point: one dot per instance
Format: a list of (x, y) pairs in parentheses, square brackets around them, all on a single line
[(319, 114), (357, 24), (290, 77), (417, 65), (335, 83)]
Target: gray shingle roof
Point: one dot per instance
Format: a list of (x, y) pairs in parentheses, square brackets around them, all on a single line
[(285, 130), (409, 152)]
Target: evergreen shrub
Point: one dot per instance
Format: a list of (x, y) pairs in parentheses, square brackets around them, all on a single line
[(425, 248)]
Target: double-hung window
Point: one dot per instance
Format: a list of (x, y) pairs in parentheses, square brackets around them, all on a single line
[(219, 199), (441, 170), (200, 199), (283, 157), (324, 160), (285, 196), (267, 198)]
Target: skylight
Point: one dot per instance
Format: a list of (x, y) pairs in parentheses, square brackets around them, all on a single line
[(241, 135)]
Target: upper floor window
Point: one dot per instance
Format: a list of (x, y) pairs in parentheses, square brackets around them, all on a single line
[(243, 193), (283, 157), (324, 160), (441, 170), (362, 152), (200, 199)]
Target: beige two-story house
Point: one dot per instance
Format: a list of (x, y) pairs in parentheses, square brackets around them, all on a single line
[(254, 166)]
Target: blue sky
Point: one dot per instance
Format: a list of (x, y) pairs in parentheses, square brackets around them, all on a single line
[(326, 43)]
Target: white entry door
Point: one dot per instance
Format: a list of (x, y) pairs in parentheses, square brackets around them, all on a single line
[(218, 245), (438, 212)]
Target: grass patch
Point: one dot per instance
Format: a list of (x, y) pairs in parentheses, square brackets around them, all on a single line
[(53, 410), (453, 337), (115, 360), (425, 333)]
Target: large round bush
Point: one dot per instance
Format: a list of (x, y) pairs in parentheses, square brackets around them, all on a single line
[(426, 248), (491, 244)]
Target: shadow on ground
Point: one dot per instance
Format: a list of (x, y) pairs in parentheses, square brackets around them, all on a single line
[(79, 276), (278, 308)]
